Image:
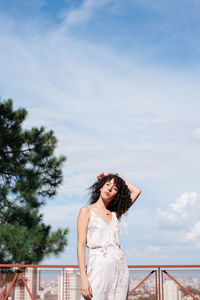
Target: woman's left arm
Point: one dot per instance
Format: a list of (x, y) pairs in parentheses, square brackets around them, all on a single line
[(134, 191)]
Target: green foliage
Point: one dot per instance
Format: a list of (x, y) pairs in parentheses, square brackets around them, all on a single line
[(29, 174)]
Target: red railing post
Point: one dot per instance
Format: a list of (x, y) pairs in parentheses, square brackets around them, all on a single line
[(159, 294), (63, 293), (156, 280), (162, 286), (2, 290)]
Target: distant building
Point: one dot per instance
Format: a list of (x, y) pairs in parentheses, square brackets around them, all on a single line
[(20, 290), (171, 290), (69, 289)]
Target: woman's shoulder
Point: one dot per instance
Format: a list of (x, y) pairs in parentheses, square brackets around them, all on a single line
[(85, 210)]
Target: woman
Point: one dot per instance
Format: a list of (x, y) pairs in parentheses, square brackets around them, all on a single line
[(107, 276)]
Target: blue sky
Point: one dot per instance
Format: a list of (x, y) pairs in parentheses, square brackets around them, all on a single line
[(119, 83)]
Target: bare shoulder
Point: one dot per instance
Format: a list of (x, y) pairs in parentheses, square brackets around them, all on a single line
[(84, 211), (83, 217)]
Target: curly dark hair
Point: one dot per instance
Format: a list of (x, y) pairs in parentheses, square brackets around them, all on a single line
[(122, 201)]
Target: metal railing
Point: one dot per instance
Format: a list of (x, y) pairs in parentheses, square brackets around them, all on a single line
[(62, 282), (164, 282)]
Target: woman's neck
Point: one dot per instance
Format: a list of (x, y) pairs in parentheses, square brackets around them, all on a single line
[(101, 203)]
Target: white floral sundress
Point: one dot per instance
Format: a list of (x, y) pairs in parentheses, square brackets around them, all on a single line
[(107, 270)]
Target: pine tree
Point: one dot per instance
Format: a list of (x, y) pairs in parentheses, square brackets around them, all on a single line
[(30, 174)]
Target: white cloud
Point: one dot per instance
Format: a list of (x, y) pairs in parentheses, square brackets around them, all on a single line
[(194, 234), (62, 215), (151, 248), (84, 12), (180, 211), (196, 133), (198, 245), (186, 199), (182, 219), (109, 112)]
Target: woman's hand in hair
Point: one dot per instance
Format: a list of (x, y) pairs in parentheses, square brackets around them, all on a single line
[(103, 174), (100, 175)]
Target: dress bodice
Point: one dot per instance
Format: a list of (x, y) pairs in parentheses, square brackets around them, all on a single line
[(100, 234), (105, 257)]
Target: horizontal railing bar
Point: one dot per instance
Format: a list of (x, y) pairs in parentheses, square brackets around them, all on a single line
[(163, 266), (37, 266), (76, 266)]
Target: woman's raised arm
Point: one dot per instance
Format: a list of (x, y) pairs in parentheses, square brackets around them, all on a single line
[(134, 191)]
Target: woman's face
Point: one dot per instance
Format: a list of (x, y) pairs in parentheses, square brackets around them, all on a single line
[(109, 190)]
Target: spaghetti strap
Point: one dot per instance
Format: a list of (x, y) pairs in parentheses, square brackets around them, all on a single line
[(91, 211)]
